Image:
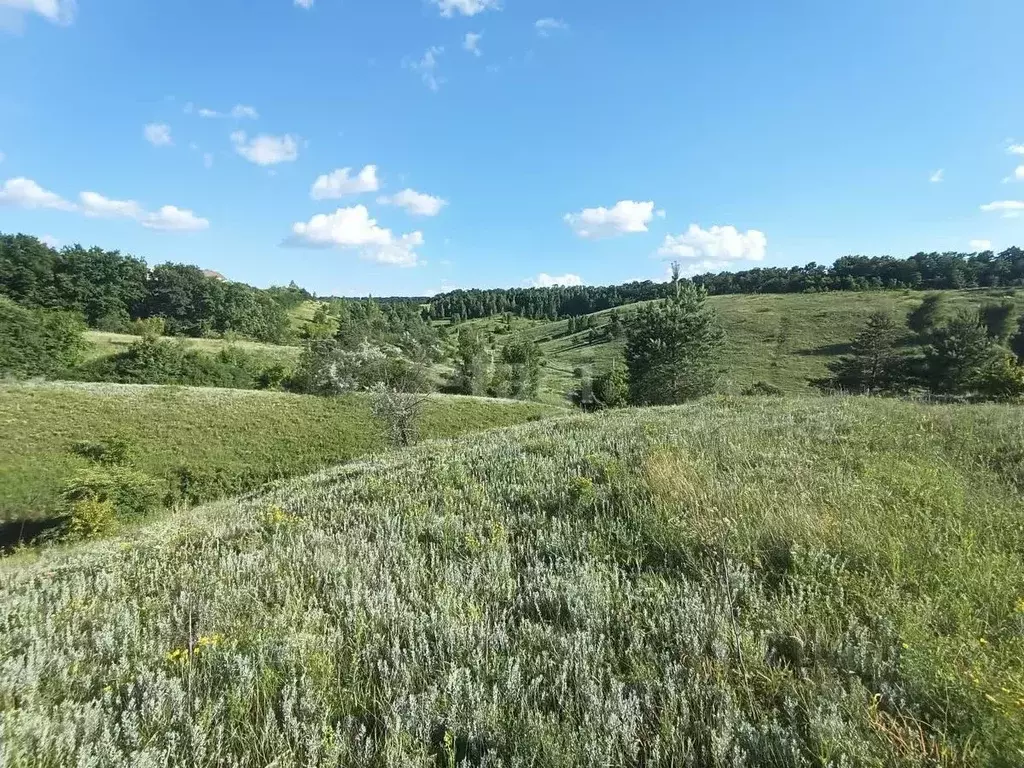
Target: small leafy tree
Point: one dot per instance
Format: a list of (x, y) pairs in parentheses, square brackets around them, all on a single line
[(521, 370), (611, 388), (997, 319), (873, 365), (471, 363), (922, 319), (672, 348), (958, 352)]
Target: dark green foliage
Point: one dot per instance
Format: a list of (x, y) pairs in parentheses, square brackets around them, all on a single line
[(520, 372), (762, 388), (110, 290), (1001, 379), (874, 364), (672, 349), (1017, 342), (472, 363), (922, 271), (112, 451), (611, 388), (153, 360), (150, 326), (132, 493), (36, 342), (957, 353), (926, 316), (997, 319)]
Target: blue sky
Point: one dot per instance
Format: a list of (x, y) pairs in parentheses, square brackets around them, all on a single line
[(591, 141)]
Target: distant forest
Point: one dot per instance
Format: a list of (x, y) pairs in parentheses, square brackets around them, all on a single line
[(110, 289), (923, 271)]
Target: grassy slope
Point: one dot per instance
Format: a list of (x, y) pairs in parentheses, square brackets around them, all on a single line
[(781, 339), (234, 430), (103, 344), (735, 582)]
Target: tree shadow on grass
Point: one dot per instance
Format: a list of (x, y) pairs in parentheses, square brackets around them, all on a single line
[(826, 350), (15, 533)]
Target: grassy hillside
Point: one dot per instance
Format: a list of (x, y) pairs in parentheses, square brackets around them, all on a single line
[(736, 582), (782, 339), (235, 437), (101, 344)]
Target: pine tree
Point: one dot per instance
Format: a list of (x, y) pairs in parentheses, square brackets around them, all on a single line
[(873, 365), (471, 363), (957, 354), (672, 347)]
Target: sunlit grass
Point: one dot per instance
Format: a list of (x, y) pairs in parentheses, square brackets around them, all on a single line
[(737, 582)]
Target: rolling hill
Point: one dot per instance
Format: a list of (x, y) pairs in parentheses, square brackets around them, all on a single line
[(799, 582), (231, 440), (782, 339)]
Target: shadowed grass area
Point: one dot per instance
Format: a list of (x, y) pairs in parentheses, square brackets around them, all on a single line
[(736, 582)]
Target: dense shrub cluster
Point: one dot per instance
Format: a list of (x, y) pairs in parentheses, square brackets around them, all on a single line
[(38, 342)]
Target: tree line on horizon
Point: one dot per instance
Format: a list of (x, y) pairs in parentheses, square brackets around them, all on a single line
[(922, 271)]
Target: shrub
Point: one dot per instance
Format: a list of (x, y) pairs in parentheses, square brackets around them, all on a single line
[(762, 388), (272, 377), (611, 388), (1002, 379), (398, 414), (327, 368), (578, 373), (114, 451), (36, 342), (131, 493), (149, 326), (874, 364), (923, 318), (91, 518)]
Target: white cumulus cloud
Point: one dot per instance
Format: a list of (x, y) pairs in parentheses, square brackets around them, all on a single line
[(158, 134), (57, 11), (353, 229), (416, 203), (718, 244), (96, 205), (1011, 209), (980, 245), (50, 241), (938, 177), (1016, 149), (265, 149), (339, 183), (626, 216), (544, 280), (25, 193), (472, 43), (545, 27), (449, 8), (173, 219)]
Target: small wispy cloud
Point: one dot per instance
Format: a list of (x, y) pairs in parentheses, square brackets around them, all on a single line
[(545, 27), (472, 43), (427, 67), (158, 134), (938, 177)]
